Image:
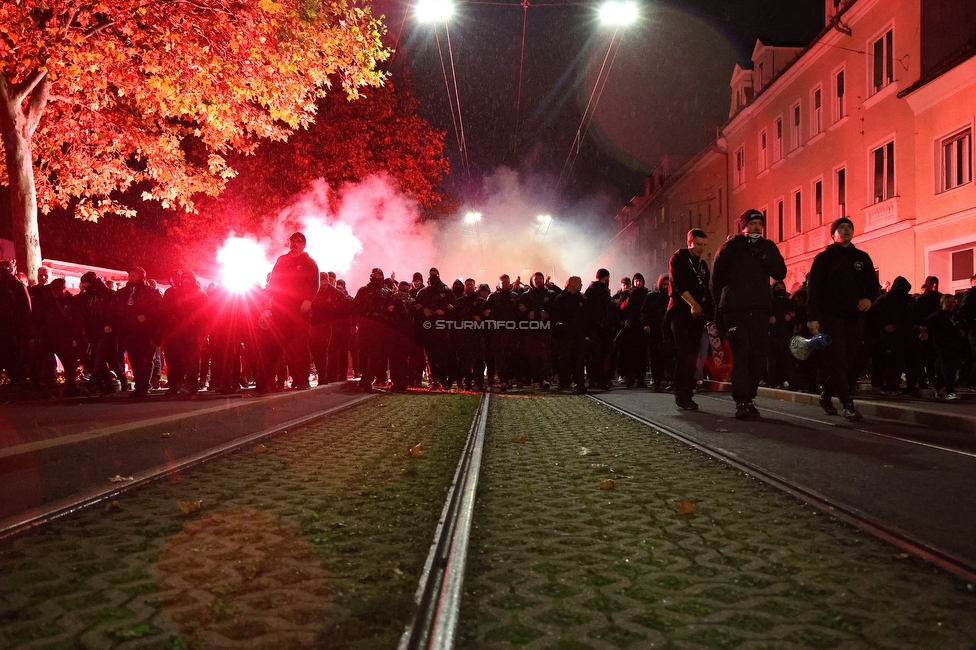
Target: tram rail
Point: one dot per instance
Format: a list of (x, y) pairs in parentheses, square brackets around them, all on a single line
[(891, 534), (57, 509)]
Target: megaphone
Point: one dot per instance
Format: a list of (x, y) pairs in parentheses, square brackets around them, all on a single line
[(801, 348)]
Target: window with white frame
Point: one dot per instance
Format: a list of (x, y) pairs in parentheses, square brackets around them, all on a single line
[(778, 143), (798, 212), (818, 202), (816, 117), (840, 99), (795, 125), (840, 182), (740, 166), (957, 160), (883, 65), (763, 150), (780, 218), (884, 172)]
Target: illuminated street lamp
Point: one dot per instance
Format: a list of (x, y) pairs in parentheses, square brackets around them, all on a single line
[(618, 12), (544, 219), (472, 217), (434, 11)]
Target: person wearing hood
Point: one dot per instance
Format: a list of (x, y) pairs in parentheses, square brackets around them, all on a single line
[(652, 319), (779, 368), (893, 317), (926, 304), (632, 339), (842, 288), (502, 309), (373, 307), (535, 305), (291, 288), (948, 336), (437, 304), (740, 290), (137, 324), (185, 321), (602, 322)]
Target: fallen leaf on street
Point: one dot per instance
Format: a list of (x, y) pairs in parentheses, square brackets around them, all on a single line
[(120, 479), (393, 427), (686, 508), (902, 556), (166, 435), (583, 451), (397, 571), (260, 449), (519, 440), (189, 506), (608, 484), (416, 451), (721, 430)]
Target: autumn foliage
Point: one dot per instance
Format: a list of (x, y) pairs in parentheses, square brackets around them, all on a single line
[(98, 95)]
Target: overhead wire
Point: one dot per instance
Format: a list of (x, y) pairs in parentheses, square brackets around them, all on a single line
[(457, 100), (518, 97), (450, 98), (577, 141)]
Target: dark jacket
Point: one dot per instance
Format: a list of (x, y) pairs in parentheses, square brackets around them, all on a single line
[(945, 331), (503, 305), (133, 300), (839, 278), (895, 308), (569, 316), (690, 274), (741, 273), (294, 279), (601, 314), (372, 302)]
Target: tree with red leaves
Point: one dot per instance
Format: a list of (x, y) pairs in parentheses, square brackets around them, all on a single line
[(98, 95)]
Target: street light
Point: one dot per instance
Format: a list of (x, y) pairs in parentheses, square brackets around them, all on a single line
[(618, 12), (544, 219), (472, 217), (434, 11)]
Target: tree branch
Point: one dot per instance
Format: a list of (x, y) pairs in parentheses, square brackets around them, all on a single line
[(35, 107), (88, 33), (26, 87)]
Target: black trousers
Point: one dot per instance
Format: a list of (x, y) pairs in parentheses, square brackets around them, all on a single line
[(687, 346), (840, 357), (749, 340)]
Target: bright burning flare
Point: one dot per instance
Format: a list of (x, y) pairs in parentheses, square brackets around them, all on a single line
[(332, 247), (244, 263)]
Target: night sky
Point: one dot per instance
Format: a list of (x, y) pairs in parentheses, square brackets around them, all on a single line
[(668, 87)]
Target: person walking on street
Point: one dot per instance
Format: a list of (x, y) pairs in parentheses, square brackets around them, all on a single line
[(689, 309), (740, 289), (843, 286)]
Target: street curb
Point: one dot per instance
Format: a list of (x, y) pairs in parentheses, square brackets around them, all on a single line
[(909, 414)]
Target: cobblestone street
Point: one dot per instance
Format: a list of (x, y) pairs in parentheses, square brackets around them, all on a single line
[(558, 562), (319, 541)]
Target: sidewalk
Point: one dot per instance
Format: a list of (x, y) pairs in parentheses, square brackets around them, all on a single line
[(959, 416), (53, 450)]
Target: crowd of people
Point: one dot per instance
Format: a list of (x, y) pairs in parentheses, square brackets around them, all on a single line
[(734, 322)]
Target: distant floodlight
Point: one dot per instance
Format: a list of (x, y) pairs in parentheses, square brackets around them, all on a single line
[(544, 218), (434, 11), (618, 12), (472, 217)]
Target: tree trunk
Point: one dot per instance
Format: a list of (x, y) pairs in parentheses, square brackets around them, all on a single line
[(17, 126)]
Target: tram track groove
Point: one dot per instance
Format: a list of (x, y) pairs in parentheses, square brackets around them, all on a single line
[(438, 596), (891, 534), (55, 510)]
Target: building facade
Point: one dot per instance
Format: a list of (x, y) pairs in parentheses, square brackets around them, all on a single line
[(872, 121)]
